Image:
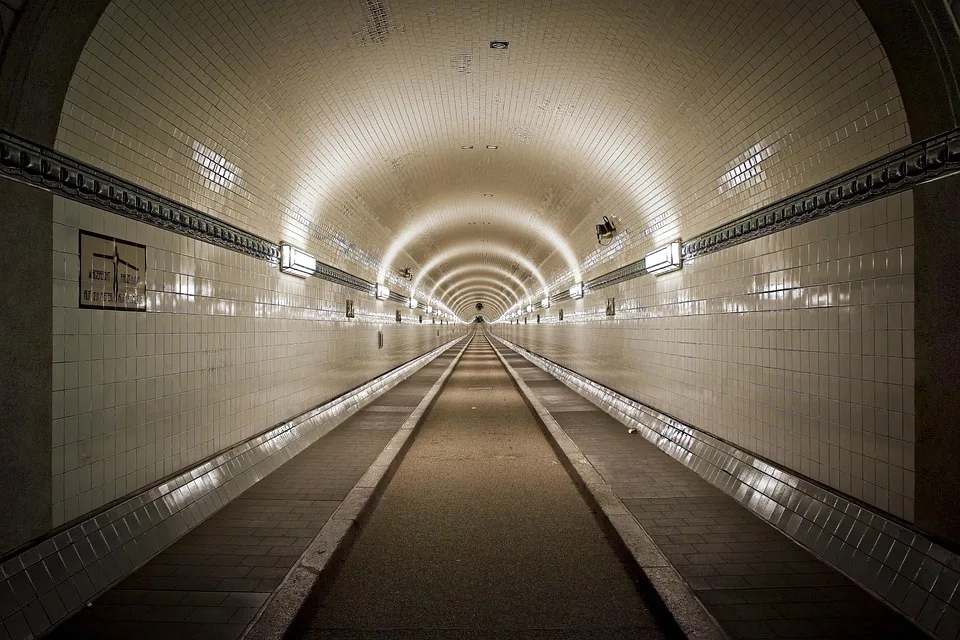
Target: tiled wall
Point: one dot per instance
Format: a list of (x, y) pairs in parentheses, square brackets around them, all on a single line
[(338, 127), (228, 347), (797, 347), (333, 124)]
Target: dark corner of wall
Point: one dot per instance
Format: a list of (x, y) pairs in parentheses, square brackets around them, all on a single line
[(42, 41), (922, 42)]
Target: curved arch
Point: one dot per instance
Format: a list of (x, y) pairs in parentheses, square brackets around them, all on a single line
[(479, 247), (479, 268), (480, 290), (475, 289), (442, 217), (492, 281), (467, 308)]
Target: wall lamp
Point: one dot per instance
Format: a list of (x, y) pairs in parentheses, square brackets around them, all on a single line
[(296, 262), (413, 303), (545, 303), (429, 309), (576, 291), (382, 292), (605, 230), (529, 308), (664, 260)]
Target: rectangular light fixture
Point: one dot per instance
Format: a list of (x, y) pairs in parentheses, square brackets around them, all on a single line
[(529, 308), (664, 259), (413, 303), (429, 309), (382, 292), (576, 291), (296, 262), (545, 303)]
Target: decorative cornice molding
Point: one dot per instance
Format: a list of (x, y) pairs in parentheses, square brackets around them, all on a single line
[(898, 171), (903, 169), (47, 169)]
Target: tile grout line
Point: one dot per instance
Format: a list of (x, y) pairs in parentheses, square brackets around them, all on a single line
[(679, 599), (77, 565), (278, 613), (850, 539)]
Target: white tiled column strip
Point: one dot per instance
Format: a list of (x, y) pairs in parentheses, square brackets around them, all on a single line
[(904, 569), (47, 582)]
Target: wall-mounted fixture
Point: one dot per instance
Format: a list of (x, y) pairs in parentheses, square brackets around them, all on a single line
[(529, 308), (560, 315), (413, 303), (350, 312), (664, 260), (406, 274), (538, 318), (399, 317), (382, 292), (605, 230), (611, 307), (491, 146), (296, 262), (479, 306), (379, 339), (429, 309), (545, 303), (576, 291)]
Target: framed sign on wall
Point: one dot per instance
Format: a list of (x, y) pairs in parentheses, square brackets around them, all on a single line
[(113, 273)]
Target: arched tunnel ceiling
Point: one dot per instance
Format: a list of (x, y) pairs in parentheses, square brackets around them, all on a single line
[(340, 126)]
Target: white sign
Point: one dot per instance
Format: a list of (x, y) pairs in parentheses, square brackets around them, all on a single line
[(112, 273)]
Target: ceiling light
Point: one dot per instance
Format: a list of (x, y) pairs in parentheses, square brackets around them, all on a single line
[(296, 262), (406, 274), (413, 303), (576, 291), (529, 308), (466, 147), (488, 195), (664, 260), (429, 309), (382, 292), (605, 230), (499, 44), (491, 146), (545, 303)]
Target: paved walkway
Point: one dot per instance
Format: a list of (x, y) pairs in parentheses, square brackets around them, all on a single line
[(210, 584), (752, 578), (480, 533)]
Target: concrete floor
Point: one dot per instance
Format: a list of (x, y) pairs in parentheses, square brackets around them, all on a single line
[(481, 533)]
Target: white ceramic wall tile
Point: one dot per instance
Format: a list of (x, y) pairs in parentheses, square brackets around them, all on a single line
[(227, 348), (797, 347), (339, 127)]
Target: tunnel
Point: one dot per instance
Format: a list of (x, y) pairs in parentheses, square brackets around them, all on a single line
[(480, 319)]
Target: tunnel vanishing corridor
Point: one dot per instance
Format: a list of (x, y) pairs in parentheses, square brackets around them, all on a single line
[(487, 318), (480, 533)]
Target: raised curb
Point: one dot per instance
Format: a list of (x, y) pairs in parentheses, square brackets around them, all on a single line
[(278, 613), (678, 598)]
